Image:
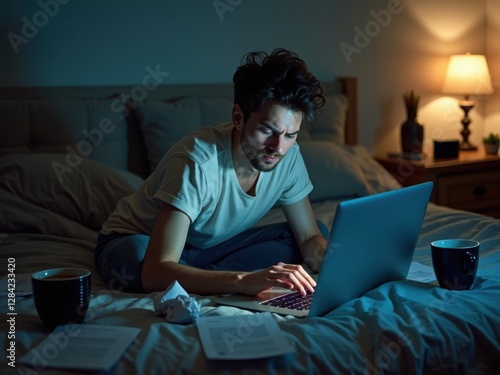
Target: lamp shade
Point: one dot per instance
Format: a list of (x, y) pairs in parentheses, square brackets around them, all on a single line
[(467, 75)]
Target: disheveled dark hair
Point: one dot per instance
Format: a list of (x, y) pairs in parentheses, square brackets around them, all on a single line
[(280, 76)]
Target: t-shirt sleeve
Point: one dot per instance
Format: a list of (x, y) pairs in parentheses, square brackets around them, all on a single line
[(298, 184), (182, 184)]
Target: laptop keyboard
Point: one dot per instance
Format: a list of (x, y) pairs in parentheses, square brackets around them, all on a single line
[(292, 301)]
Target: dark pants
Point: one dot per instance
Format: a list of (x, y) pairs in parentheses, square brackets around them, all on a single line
[(119, 257)]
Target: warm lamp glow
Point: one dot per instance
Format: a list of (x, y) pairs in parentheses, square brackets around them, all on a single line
[(467, 75)]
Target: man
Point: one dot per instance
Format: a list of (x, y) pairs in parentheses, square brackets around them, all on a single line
[(194, 218)]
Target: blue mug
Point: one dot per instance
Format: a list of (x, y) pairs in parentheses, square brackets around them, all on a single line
[(455, 262), (61, 295)]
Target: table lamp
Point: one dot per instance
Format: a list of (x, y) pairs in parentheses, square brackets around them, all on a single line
[(467, 75)]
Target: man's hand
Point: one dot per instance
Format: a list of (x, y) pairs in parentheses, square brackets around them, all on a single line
[(289, 276)]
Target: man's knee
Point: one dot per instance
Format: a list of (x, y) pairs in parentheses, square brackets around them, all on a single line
[(120, 263)]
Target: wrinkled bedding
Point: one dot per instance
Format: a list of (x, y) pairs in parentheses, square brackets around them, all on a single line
[(403, 327)]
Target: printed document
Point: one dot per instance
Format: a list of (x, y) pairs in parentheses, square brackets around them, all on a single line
[(22, 283), (81, 346), (246, 336)]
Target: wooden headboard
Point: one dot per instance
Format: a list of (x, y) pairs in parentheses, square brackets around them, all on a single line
[(346, 85), (349, 87), (44, 137)]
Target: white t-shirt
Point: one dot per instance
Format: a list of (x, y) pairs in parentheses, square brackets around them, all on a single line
[(197, 177)]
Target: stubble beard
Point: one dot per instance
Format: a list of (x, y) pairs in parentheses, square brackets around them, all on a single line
[(256, 157)]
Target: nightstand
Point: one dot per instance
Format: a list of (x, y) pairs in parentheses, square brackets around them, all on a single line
[(471, 182)]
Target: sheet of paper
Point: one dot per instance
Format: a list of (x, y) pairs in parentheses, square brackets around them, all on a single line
[(81, 346), (421, 272), (242, 337), (22, 285)]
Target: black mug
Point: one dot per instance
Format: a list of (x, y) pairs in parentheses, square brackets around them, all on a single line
[(61, 295), (455, 262)]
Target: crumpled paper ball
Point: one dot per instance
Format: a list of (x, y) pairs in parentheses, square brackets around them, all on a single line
[(176, 305)]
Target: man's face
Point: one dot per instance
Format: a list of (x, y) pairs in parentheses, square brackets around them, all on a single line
[(268, 134)]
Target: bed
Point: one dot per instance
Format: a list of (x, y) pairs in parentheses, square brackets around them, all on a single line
[(67, 155)]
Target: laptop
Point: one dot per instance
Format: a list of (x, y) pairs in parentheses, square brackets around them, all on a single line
[(371, 242)]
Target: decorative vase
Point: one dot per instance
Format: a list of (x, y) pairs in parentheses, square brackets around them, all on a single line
[(412, 136), (412, 132)]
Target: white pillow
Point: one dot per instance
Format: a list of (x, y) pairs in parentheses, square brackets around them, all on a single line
[(216, 110), (341, 171), (164, 123), (94, 128), (330, 124), (377, 178), (331, 171)]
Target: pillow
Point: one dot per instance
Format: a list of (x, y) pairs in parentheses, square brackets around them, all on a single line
[(377, 178), (333, 174), (341, 171), (164, 123), (94, 128), (216, 110), (330, 124), (84, 191)]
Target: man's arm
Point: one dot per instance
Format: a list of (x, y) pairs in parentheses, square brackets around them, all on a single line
[(311, 243), (161, 267)]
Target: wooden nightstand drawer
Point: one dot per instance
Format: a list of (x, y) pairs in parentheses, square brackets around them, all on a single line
[(470, 182), (478, 191)]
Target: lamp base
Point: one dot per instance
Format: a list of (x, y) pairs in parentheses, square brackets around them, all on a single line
[(466, 106), (466, 146)]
